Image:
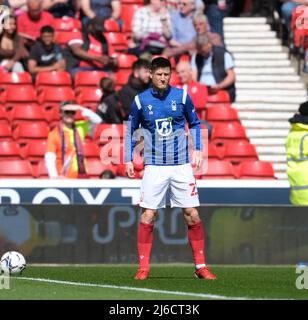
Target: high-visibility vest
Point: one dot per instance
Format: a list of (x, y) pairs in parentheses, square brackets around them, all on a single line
[(297, 161)]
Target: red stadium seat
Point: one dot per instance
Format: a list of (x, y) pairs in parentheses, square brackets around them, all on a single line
[(117, 41), (14, 79), (53, 78), (89, 78), (88, 97), (105, 131), (5, 132), (220, 96), (4, 115), (175, 80), (27, 113), (125, 61), (19, 95), (221, 113), (212, 151), (95, 168), (127, 13), (238, 151), (35, 150), (40, 171), (198, 93), (67, 24), (26, 132), (16, 169), (121, 77), (9, 150), (111, 25), (224, 132), (215, 169), (256, 170), (91, 150), (64, 37), (52, 96), (132, 2)]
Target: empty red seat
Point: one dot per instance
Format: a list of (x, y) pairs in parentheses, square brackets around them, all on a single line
[(53, 96), (117, 41), (4, 115), (40, 171), (91, 150), (26, 132), (89, 78), (27, 113), (67, 24), (9, 150), (19, 95), (127, 13), (35, 151), (220, 96), (64, 37), (216, 169), (256, 170), (5, 132), (125, 61), (221, 113), (104, 132), (15, 169), (238, 151), (53, 78), (224, 132), (15, 79), (111, 25), (88, 97), (121, 77), (95, 168)]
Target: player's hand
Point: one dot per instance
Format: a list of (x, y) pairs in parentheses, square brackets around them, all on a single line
[(129, 169), (197, 159)]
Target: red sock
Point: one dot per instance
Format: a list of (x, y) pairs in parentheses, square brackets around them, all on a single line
[(196, 240), (145, 240)]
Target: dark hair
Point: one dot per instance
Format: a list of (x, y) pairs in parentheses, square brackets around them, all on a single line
[(47, 29), (97, 23), (303, 109), (107, 85), (107, 174), (141, 63), (160, 62)]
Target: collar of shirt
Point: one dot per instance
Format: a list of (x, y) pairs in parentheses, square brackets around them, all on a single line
[(156, 94)]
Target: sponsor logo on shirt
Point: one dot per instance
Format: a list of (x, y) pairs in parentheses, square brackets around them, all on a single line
[(164, 126)]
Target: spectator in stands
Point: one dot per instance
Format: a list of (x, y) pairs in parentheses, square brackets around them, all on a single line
[(216, 11), (12, 50), (60, 8), (287, 10), (64, 157), (30, 23), (18, 6), (214, 67), (106, 9), (45, 55), (89, 51), (297, 156), (151, 28), (116, 107), (201, 26)]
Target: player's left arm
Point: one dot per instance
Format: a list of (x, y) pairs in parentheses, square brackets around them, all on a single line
[(194, 128)]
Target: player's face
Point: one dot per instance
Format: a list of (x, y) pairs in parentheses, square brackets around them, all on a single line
[(161, 77)]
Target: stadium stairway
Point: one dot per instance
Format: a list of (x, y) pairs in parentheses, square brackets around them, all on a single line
[(269, 90)]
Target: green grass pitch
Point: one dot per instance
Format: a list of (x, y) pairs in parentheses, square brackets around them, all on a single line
[(165, 282)]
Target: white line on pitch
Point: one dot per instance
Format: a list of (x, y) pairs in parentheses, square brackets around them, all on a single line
[(176, 293)]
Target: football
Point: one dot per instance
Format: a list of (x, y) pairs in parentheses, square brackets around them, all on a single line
[(13, 262)]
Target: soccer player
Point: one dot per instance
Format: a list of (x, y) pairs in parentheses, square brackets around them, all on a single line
[(162, 111)]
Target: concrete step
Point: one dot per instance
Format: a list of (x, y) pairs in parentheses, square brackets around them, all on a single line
[(263, 124), (254, 49), (266, 78), (280, 167), (261, 56), (273, 158), (243, 20), (281, 176), (261, 115), (268, 133), (264, 141), (268, 98), (271, 150), (259, 106), (262, 63), (250, 35), (266, 71), (247, 27), (269, 85), (253, 42), (288, 93)]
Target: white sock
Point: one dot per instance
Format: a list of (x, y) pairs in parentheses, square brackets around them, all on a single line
[(199, 266)]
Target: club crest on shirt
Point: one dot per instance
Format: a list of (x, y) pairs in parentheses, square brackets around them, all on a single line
[(173, 105), (164, 126), (150, 109)]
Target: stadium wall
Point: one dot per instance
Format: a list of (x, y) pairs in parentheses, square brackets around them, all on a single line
[(107, 234)]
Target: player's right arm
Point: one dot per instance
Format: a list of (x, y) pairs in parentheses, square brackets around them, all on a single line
[(133, 124)]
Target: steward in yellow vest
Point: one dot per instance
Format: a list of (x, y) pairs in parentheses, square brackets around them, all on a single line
[(297, 156)]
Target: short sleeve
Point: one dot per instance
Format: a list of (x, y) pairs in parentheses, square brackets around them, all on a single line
[(229, 62)]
